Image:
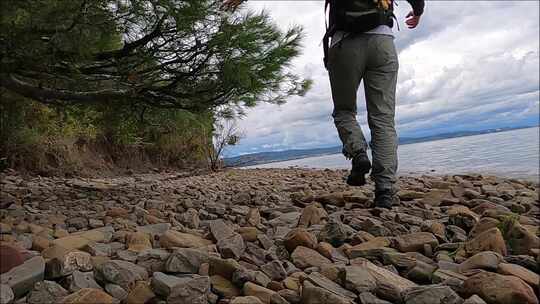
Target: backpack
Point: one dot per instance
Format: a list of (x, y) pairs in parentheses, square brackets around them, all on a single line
[(356, 16)]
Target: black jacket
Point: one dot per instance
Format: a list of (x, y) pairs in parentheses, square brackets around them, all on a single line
[(418, 6)]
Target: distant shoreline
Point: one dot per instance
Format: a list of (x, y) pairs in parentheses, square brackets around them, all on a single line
[(262, 158)]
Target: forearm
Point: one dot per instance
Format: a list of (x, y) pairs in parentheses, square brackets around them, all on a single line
[(418, 6)]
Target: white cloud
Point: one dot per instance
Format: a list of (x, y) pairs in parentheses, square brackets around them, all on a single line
[(470, 65)]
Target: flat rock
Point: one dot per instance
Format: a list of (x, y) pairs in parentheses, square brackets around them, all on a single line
[(171, 239), (304, 257), (321, 281), (22, 278), (431, 294), (359, 279), (263, 294), (246, 300), (88, 296), (416, 241), (312, 294), (185, 260), (185, 290)]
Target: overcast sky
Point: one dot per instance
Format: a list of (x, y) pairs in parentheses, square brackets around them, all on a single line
[(470, 65)]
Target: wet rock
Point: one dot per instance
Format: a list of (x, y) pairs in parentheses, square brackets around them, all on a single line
[(499, 289), (45, 292), (22, 278), (88, 296), (304, 257)]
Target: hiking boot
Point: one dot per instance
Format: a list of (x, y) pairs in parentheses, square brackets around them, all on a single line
[(360, 167), (385, 199)]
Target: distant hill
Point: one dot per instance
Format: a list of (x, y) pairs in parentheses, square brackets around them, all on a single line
[(279, 156)]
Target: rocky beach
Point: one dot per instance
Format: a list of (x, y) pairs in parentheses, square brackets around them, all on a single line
[(267, 236)]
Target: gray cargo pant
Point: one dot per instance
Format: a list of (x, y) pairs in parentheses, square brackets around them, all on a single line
[(372, 58)]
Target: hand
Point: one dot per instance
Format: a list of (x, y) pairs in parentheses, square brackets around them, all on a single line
[(412, 20), (232, 4)]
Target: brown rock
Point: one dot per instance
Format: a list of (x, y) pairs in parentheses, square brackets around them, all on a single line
[(521, 272), (487, 260), (40, 243), (416, 241), (117, 212), (10, 257), (253, 217), (173, 238), (377, 242), (521, 240), (88, 296), (138, 241), (499, 289), (484, 224), (246, 300), (489, 240), (224, 287), (304, 257), (299, 237), (436, 197), (263, 294), (312, 215), (462, 216), (141, 293), (249, 234)]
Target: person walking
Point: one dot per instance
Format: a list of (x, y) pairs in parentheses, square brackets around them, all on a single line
[(359, 46)]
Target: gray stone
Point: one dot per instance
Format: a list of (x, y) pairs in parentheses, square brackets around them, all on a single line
[(116, 291), (220, 230), (79, 280), (153, 259), (369, 298), (127, 255), (359, 279), (433, 294), (185, 260), (122, 273), (321, 281), (22, 278), (232, 247), (312, 294), (46, 292), (474, 300), (274, 270), (189, 289), (68, 263), (6, 294), (99, 249), (155, 229), (335, 232)]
